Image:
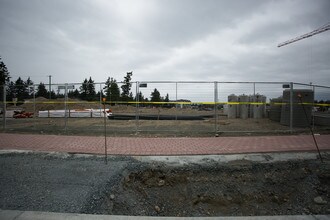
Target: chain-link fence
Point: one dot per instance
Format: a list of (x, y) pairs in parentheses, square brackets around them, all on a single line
[(167, 108)]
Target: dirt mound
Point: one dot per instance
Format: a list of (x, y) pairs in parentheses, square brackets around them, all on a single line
[(42, 104), (232, 190)]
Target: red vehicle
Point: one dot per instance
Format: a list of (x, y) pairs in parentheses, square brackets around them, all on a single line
[(23, 114)]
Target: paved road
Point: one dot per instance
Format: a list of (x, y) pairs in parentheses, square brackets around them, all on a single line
[(163, 146)]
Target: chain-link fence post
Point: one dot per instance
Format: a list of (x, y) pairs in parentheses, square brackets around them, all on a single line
[(4, 107), (291, 107), (66, 107), (176, 100), (100, 105), (215, 107), (34, 107), (137, 107), (313, 112)]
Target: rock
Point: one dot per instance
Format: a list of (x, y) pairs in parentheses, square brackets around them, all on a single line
[(161, 183), (112, 196), (318, 200), (157, 208), (306, 211), (127, 179)]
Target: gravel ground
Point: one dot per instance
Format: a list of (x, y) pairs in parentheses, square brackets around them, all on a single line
[(126, 186), (56, 183)]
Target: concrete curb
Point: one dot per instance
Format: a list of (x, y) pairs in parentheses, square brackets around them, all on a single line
[(266, 157), (33, 215)]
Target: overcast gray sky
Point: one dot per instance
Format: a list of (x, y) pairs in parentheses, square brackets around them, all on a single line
[(165, 40)]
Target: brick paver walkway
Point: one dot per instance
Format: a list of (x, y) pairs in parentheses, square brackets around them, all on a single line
[(163, 146)]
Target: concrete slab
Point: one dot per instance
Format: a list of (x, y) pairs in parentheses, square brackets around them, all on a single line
[(189, 159), (10, 214), (31, 215), (226, 158)]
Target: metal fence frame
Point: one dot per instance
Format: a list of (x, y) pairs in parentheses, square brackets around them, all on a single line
[(216, 88)]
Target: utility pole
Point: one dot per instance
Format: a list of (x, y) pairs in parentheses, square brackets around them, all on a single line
[(50, 86)]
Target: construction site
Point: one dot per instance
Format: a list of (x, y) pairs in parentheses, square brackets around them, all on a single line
[(221, 181), (208, 149)]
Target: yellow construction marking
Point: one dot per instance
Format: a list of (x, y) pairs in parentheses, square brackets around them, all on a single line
[(173, 103), (319, 104)]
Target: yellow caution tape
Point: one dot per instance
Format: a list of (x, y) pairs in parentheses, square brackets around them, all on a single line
[(172, 103)]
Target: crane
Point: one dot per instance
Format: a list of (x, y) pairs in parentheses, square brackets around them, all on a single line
[(325, 27)]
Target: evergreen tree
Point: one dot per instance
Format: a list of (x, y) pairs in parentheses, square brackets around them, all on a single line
[(91, 93), (126, 87), (167, 99), (42, 91), (98, 95), (111, 90), (4, 78), (155, 96), (87, 90), (53, 95), (140, 97), (115, 91), (84, 90), (20, 90), (4, 73), (29, 88), (11, 91), (74, 94), (106, 89), (130, 97)]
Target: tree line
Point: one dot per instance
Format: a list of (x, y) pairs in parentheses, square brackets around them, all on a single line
[(22, 90)]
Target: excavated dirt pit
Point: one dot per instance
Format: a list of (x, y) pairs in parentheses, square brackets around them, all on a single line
[(233, 189)]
